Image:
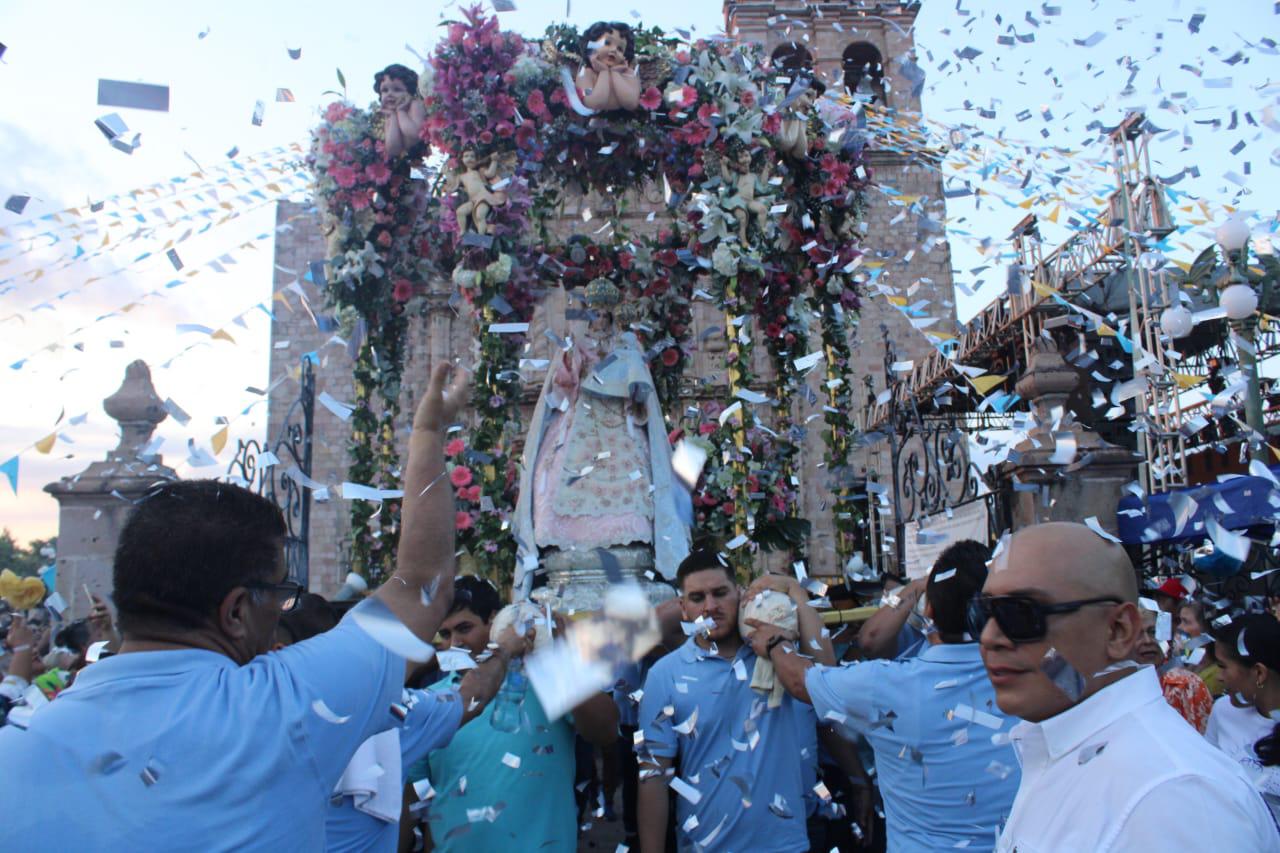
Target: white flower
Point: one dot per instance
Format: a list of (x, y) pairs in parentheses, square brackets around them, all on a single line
[(724, 261), (499, 271)]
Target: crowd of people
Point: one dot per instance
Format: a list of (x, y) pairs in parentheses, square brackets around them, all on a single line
[(1034, 698)]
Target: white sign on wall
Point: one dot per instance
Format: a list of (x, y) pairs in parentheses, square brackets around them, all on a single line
[(968, 521)]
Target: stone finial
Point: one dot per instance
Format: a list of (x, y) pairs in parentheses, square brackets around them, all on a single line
[(137, 408)]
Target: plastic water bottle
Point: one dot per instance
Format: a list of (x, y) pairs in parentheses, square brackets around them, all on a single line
[(509, 703)]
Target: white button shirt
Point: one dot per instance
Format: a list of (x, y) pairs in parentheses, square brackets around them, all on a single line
[(1123, 771)]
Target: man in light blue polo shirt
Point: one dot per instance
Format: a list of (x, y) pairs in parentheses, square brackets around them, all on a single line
[(740, 769), (192, 737), (947, 772)]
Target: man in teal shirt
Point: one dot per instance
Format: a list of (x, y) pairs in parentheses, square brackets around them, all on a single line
[(498, 790)]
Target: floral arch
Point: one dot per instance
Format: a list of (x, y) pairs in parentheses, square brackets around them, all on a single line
[(761, 181)]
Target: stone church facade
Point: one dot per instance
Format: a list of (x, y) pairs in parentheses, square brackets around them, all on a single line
[(847, 43)]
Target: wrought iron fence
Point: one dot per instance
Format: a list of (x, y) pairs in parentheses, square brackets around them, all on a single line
[(280, 470)]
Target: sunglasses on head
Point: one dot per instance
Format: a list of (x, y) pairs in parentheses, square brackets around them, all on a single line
[(1022, 619)]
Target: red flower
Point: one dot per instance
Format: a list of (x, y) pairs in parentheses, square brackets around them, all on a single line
[(455, 447), (694, 134), (462, 521), (707, 428), (486, 137), (682, 57), (624, 260), (706, 113), (525, 135), (504, 129), (688, 96), (460, 476), (471, 493), (728, 508), (402, 291), (667, 257), (670, 356), (772, 123), (748, 98), (651, 99), (773, 330), (384, 239)]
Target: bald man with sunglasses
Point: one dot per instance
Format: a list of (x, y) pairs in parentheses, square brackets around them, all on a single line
[(1105, 761)]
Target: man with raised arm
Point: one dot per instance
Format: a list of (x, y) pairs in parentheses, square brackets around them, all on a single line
[(193, 737)]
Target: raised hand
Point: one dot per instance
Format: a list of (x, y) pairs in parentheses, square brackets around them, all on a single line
[(441, 405)]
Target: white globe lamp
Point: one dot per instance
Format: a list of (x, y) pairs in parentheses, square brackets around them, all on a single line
[(1233, 234), (1239, 301), (1176, 321)]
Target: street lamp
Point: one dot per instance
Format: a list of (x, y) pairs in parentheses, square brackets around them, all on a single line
[(1240, 302)]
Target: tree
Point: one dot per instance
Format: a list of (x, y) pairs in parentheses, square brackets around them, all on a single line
[(25, 561)]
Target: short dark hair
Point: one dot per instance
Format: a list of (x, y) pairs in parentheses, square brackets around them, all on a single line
[(477, 595), (1260, 644), (701, 560), (950, 597), (75, 636), (189, 543), (395, 71), (313, 615), (597, 31)]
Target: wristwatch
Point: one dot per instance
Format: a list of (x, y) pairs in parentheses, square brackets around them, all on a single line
[(772, 644)]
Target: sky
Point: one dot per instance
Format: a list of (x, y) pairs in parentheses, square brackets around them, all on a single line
[(73, 335)]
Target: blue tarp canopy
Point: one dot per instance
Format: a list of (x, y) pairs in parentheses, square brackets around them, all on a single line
[(1180, 515)]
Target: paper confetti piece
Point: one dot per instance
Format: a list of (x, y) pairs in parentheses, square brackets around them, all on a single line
[(325, 713)]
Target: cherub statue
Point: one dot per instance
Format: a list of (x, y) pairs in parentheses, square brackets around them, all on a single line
[(793, 137), (743, 184), (608, 78), (402, 110), (474, 182)]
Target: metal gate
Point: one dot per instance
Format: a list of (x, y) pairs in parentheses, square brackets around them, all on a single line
[(272, 470)]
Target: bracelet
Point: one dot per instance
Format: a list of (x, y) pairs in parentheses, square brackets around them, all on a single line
[(773, 644), (24, 647)]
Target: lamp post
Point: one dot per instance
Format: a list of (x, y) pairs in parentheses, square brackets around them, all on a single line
[(1240, 301)]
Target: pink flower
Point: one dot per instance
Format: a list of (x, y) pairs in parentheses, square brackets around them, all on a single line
[(402, 291), (537, 104), (670, 356), (682, 57), (359, 201), (462, 521), (504, 128), (344, 176), (471, 493), (460, 476), (706, 428), (772, 123), (378, 172), (336, 112), (748, 98), (706, 113), (650, 100), (455, 447), (688, 95)]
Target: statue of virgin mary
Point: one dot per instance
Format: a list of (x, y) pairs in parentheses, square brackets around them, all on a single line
[(596, 469)]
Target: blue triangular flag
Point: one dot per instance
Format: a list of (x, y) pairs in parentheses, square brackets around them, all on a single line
[(10, 470)]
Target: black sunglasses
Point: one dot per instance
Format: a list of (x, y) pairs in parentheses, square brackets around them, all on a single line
[(288, 592), (1023, 620)]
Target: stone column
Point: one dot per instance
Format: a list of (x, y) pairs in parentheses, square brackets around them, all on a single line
[(94, 504), (1067, 491)]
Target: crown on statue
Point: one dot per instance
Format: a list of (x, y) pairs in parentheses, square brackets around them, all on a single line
[(602, 293)]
